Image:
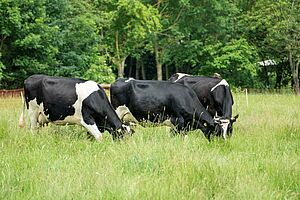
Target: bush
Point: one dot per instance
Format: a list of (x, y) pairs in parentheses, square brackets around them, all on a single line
[(100, 72), (236, 61)]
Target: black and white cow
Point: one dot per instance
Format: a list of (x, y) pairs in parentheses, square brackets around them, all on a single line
[(214, 93), (161, 100), (63, 100)]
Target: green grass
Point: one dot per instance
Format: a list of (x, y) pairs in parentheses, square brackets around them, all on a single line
[(260, 161)]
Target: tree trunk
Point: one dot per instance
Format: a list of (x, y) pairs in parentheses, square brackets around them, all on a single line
[(137, 69), (121, 64), (295, 70), (130, 67), (119, 61), (167, 72), (143, 70), (157, 59), (279, 74), (296, 79), (159, 71)]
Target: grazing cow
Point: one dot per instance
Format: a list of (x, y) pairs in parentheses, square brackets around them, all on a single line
[(157, 101), (214, 93), (70, 101)]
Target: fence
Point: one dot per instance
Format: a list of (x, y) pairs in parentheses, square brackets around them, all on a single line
[(17, 92), (11, 93)]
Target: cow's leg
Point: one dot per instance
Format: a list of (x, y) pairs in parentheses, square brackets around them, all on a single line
[(42, 120), (92, 129), (33, 111), (89, 123), (33, 116), (178, 121)]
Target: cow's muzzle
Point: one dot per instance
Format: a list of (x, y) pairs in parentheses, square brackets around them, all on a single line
[(222, 126)]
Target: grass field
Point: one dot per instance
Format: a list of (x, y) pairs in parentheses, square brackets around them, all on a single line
[(260, 161)]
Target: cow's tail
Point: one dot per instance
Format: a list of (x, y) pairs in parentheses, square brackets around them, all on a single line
[(21, 119)]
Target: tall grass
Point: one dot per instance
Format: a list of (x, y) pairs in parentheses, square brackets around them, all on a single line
[(260, 161)]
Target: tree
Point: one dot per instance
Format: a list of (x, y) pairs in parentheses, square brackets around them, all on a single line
[(236, 61), (188, 26), (27, 42), (78, 39), (161, 39), (100, 72), (126, 28), (57, 37), (286, 33), (275, 29)]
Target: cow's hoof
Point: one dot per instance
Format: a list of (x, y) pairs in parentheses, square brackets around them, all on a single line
[(100, 139)]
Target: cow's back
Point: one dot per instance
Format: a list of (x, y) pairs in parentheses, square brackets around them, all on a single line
[(54, 95), (212, 93), (162, 97)]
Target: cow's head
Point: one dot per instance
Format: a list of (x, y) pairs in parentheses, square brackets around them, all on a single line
[(117, 95), (230, 126), (127, 119), (224, 126), (123, 131)]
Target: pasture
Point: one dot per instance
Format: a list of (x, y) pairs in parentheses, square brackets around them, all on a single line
[(260, 161)]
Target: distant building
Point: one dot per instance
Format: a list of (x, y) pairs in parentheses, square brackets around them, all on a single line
[(267, 62)]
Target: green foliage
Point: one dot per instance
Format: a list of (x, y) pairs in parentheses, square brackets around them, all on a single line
[(78, 47), (236, 61), (27, 42), (100, 72), (128, 26), (273, 27), (276, 23), (69, 37), (55, 38)]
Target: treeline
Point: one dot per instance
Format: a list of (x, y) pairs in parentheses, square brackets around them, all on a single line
[(151, 39)]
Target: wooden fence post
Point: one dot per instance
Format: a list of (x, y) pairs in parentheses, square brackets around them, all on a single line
[(247, 101)]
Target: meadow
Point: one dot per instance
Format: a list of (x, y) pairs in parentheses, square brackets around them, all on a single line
[(260, 161)]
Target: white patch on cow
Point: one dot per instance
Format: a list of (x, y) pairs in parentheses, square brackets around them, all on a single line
[(33, 111), (36, 114), (130, 79), (93, 129), (222, 82), (180, 75), (42, 118), (224, 124), (127, 128), (83, 90)]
